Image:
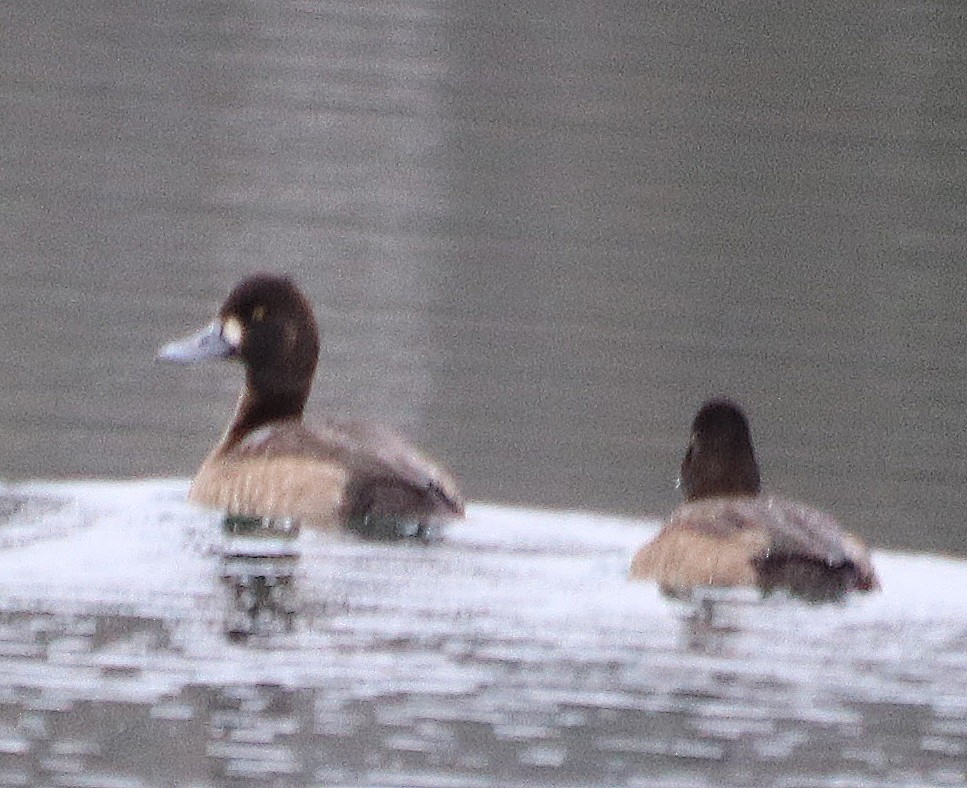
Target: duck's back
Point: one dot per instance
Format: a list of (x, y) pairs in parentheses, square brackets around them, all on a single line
[(756, 541), (328, 475)]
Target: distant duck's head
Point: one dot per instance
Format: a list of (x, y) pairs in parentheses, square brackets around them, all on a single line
[(267, 324), (720, 460)]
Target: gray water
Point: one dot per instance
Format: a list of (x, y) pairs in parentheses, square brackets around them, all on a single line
[(538, 236)]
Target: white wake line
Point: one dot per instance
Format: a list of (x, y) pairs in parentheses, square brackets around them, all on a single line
[(133, 541)]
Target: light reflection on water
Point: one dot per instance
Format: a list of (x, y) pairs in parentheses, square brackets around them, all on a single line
[(140, 644)]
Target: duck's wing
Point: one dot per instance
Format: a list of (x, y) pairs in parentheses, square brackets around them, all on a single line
[(385, 474), (811, 554), (792, 528), (383, 461), (802, 530)]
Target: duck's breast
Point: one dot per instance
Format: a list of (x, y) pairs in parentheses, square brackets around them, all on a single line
[(272, 484)]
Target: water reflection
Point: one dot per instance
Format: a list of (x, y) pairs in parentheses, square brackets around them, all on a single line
[(542, 234), (513, 651), (261, 593), (710, 628)]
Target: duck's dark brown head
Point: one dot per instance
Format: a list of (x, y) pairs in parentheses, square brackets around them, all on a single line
[(720, 460), (267, 324)]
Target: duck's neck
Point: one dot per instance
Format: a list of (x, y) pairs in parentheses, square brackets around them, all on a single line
[(730, 475), (255, 410), (727, 488)]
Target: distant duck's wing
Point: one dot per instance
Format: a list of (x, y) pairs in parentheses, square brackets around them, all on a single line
[(811, 555), (755, 541)]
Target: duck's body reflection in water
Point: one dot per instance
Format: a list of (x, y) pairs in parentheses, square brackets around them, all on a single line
[(258, 569), (712, 618)]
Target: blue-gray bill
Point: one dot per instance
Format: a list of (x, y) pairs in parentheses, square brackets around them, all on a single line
[(208, 343)]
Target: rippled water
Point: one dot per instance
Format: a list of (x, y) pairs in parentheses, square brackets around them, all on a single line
[(538, 236), (139, 644)]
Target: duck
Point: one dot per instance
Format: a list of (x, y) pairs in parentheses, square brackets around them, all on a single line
[(729, 534), (270, 464)]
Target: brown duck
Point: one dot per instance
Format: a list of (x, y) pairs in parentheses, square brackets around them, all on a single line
[(727, 533), (270, 464)]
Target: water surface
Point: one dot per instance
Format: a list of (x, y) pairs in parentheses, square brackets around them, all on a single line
[(141, 645), (538, 237)]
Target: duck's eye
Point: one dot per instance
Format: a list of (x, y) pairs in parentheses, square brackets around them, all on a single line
[(232, 331), (258, 314)]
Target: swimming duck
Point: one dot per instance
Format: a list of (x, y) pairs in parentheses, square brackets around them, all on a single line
[(727, 533), (270, 464)]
